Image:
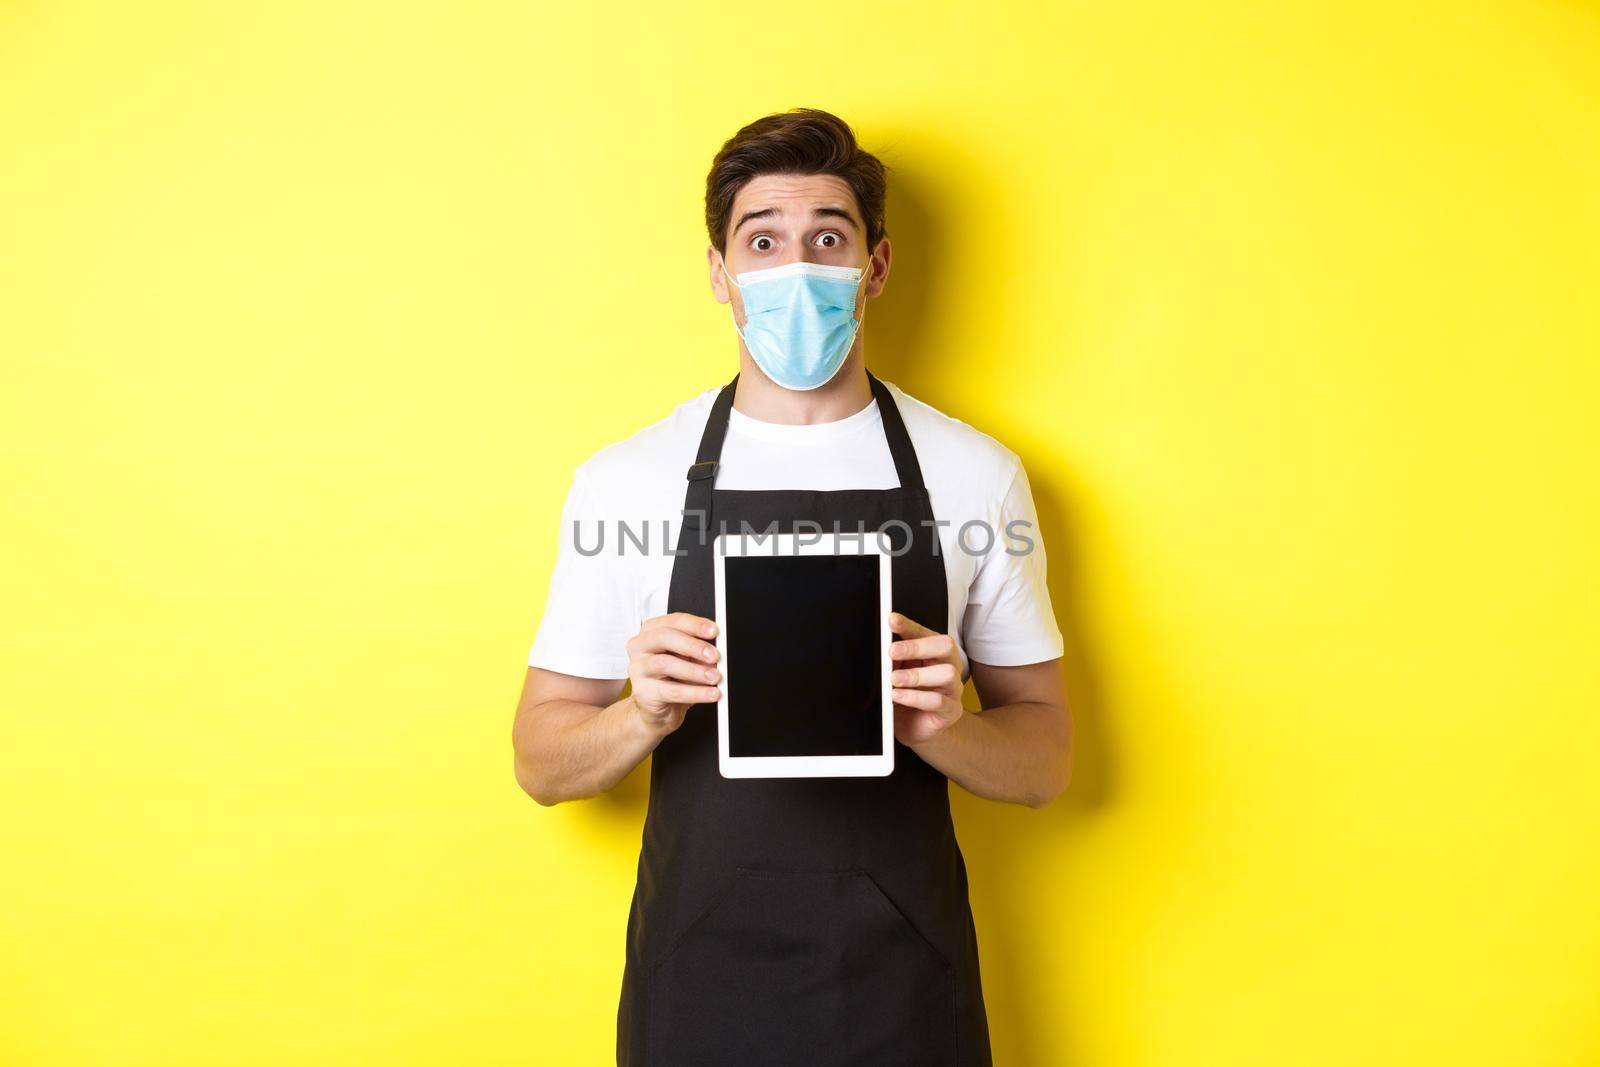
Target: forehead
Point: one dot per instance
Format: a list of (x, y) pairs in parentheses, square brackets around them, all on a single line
[(793, 195)]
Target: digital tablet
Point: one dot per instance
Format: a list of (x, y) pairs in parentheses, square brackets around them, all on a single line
[(803, 632)]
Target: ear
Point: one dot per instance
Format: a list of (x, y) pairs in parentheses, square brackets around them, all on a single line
[(880, 267), (719, 282)]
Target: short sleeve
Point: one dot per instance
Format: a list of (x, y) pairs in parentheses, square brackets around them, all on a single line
[(1009, 621), (589, 613)]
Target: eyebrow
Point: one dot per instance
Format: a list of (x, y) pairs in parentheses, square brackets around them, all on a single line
[(819, 213)]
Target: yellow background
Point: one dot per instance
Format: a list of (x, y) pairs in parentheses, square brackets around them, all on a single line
[(308, 310)]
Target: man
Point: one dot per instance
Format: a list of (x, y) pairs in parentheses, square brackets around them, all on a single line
[(798, 920)]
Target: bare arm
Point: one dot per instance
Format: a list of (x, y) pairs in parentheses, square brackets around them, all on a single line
[(574, 738), (1018, 749)]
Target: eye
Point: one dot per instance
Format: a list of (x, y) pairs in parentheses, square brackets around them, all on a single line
[(830, 239), (762, 243)]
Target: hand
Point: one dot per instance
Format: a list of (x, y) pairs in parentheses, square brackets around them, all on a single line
[(926, 681), (670, 667)]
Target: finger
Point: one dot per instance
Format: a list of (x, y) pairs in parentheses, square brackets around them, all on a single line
[(698, 625), (921, 699), (939, 675), (679, 693), (905, 624), (939, 647), (666, 665), (668, 639)]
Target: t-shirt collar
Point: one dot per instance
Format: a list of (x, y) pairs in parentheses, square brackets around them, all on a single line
[(811, 433)]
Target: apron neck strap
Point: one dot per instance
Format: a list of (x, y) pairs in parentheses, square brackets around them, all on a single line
[(894, 431), (703, 475)]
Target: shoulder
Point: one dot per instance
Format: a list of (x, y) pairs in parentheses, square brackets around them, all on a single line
[(952, 451), (657, 454)]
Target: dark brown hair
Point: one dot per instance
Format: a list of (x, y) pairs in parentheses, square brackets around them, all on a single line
[(802, 140)]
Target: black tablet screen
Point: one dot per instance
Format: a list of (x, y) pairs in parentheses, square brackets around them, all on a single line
[(804, 667)]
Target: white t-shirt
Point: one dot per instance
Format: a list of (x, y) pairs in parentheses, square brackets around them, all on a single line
[(614, 569)]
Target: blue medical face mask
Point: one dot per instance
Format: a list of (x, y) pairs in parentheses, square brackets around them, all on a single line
[(799, 320)]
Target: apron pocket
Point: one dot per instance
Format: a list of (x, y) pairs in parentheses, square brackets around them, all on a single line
[(801, 967)]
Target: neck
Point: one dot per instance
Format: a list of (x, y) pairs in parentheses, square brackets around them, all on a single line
[(759, 397)]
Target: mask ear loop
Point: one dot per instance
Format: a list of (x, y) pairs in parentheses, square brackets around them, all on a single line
[(866, 273), (724, 265)]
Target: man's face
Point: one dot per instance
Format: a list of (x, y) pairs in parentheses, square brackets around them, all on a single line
[(784, 218)]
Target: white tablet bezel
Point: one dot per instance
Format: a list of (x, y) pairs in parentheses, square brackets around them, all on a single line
[(804, 544)]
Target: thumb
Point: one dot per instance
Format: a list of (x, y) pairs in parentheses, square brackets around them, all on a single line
[(907, 626)]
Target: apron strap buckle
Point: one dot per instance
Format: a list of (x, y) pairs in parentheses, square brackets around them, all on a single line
[(706, 468)]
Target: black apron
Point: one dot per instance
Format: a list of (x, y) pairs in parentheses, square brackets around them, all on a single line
[(805, 921)]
